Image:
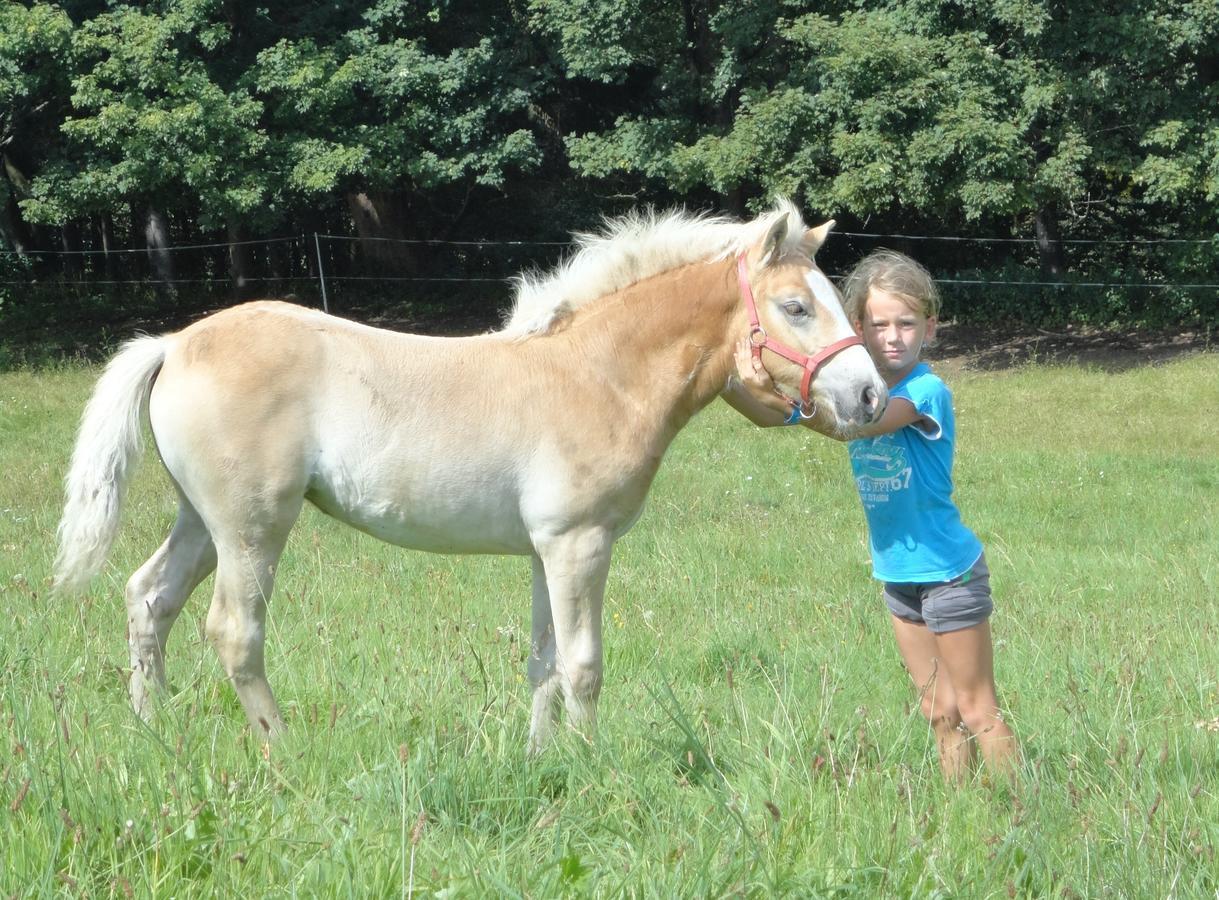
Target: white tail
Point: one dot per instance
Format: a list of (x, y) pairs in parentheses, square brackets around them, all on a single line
[(108, 446)]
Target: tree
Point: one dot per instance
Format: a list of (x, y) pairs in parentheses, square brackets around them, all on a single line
[(395, 114), (467, 118), (981, 114), (33, 94), (150, 125)]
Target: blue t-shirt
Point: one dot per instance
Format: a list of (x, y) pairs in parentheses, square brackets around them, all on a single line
[(905, 483)]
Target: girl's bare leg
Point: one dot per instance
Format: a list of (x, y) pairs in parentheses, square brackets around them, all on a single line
[(937, 697), (968, 657)]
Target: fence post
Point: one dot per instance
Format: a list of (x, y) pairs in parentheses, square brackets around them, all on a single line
[(321, 272)]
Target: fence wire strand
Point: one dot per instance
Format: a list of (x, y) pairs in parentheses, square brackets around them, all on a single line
[(302, 240)]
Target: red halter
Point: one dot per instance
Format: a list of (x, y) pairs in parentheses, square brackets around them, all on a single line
[(758, 339)]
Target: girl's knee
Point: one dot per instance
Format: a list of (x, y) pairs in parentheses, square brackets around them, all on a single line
[(940, 714), (979, 714)]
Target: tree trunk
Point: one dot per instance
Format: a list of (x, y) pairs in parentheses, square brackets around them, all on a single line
[(734, 201), (69, 238), (239, 263), (699, 58), (13, 228), (703, 54), (1049, 246), (105, 225), (156, 240), (282, 260), (377, 218)]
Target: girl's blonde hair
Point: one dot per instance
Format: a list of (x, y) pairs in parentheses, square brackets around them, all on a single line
[(895, 273)]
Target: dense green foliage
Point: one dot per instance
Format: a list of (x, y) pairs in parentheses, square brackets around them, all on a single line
[(184, 121), (758, 735)]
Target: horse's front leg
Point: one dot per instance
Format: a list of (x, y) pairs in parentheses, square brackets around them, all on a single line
[(542, 672), (575, 565)]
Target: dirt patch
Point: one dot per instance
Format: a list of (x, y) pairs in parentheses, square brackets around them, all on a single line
[(990, 349)]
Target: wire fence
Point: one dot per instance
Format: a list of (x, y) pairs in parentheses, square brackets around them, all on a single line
[(1211, 241), (318, 267), (67, 289)]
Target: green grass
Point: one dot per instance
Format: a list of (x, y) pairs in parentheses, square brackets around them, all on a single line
[(758, 735)]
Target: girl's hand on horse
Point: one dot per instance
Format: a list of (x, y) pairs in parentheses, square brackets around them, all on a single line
[(751, 371)]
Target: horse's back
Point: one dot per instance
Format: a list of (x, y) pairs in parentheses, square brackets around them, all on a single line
[(468, 445), (265, 404)]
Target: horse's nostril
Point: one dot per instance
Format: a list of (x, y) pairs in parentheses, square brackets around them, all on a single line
[(872, 404)]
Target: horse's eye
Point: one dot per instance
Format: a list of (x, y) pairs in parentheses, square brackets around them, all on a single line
[(795, 309)]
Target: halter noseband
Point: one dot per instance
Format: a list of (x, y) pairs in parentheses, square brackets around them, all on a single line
[(758, 339)]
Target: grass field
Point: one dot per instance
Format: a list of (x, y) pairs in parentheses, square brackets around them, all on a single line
[(758, 736)]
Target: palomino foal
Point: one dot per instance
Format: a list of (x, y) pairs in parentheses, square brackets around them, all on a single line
[(541, 439)]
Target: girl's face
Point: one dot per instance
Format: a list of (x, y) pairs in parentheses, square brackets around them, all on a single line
[(894, 334)]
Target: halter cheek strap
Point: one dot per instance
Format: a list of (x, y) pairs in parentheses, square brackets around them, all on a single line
[(758, 339)]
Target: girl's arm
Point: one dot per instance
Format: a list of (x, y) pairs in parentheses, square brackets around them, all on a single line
[(753, 394), (899, 412)]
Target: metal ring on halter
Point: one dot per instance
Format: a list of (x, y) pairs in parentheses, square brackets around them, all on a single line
[(798, 406), (753, 333)]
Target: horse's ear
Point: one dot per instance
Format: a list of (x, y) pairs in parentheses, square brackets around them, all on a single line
[(772, 246), (815, 237)]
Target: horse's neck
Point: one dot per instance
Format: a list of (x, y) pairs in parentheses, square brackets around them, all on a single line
[(665, 342)]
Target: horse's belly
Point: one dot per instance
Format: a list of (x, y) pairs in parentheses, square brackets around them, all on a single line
[(440, 520), (421, 488)]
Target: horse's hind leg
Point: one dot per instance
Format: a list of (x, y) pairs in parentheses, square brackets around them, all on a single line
[(156, 594), (236, 621)]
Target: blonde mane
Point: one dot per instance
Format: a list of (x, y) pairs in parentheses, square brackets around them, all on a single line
[(632, 248)]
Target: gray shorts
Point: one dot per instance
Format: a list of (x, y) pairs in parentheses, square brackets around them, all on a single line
[(947, 605)]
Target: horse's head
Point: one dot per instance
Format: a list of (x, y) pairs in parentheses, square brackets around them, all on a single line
[(798, 325)]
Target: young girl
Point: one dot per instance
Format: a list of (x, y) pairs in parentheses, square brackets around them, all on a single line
[(934, 573)]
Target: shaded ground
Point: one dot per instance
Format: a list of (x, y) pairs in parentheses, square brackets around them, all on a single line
[(44, 335), (971, 347), (957, 346)]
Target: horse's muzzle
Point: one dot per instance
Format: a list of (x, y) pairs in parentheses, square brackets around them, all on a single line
[(872, 403)]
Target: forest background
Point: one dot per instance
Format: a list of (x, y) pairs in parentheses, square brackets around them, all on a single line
[(1051, 162)]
